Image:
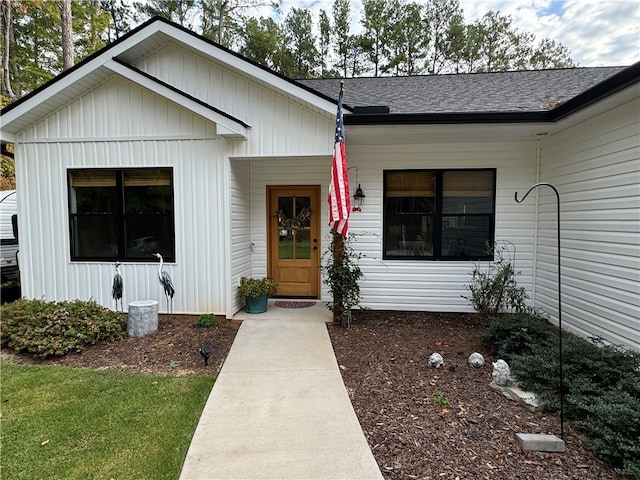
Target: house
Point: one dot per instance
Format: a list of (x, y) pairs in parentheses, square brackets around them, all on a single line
[(166, 142)]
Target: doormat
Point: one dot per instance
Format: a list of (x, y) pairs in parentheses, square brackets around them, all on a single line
[(288, 304)]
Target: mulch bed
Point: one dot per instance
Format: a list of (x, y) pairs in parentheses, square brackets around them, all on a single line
[(383, 359)]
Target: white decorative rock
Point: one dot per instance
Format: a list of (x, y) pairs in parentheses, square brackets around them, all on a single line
[(436, 360), (501, 373), (476, 360)]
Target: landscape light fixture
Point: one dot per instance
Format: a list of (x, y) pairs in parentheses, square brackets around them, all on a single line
[(206, 351)]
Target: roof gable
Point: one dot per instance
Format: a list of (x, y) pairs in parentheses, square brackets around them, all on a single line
[(119, 57)]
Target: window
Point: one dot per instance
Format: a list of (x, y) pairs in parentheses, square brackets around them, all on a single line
[(121, 214), (438, 214)]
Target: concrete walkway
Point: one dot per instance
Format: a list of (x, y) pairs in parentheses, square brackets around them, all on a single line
[(279, 409)]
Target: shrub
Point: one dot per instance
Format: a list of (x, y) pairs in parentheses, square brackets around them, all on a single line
[(495, 289), (255, 287), (601, 383), (206, 320), (342, 276), (47, 329), (518, 334)]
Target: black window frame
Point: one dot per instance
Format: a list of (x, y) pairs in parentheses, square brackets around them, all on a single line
[(121, 217), (437, 218)]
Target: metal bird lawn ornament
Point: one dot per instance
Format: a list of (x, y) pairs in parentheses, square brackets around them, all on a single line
[(165, 281), (116, 289)]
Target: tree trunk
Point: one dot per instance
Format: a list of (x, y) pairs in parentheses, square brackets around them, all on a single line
[(7, 20), (338, 254), (67, 34)]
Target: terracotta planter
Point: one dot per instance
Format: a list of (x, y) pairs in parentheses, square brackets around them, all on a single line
[(257, 304)]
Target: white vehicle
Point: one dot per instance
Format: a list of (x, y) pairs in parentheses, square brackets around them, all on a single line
[(8, 234)]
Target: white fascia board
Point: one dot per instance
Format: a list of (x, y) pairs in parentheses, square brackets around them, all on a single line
[(250, 69), (226, 127), (7, 137), (76, 75)]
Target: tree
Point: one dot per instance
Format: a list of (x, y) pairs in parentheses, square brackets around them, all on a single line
[(67, 34), (550, 54), (443, 20), (414, 50), (181, 12), (262, 41), (374, 25), (224, 21), (502, 47), (324, 41), (342, 39), (301, 56), (7, 45), (121, 18)]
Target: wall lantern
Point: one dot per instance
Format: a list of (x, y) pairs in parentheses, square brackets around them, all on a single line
[(358, 199)]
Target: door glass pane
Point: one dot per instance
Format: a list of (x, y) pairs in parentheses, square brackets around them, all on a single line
[(294, 224), (303, 243), (285, 243), (285, 230)]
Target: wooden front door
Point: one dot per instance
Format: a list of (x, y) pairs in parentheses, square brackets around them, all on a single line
[(294, 239)]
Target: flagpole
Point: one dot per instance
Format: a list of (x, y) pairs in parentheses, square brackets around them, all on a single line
[(338, 247)]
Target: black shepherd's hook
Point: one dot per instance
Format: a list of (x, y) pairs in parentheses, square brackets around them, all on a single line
[(559, 295)]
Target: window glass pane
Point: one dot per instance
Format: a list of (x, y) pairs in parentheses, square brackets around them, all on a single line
[(147, 192), (93, 192), (409, 235), (467, 192), (466, 236), (410, 184), (121, 213), (409, 208), (149, 234), (94, 236)]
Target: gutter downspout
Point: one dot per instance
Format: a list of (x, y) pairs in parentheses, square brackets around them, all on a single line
[(535, 225)]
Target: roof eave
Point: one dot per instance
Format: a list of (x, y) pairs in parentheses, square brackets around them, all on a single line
[(612, 85), (447, 118)]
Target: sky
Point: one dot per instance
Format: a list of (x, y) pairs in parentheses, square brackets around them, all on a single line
[(596, 32)]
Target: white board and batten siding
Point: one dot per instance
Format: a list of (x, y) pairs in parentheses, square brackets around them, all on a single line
[(596, 168), (280, 124), (119, 125)]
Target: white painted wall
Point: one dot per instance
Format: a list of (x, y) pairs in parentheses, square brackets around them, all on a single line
[(407, 284), (282, 124), (596, 168), (438, 285)]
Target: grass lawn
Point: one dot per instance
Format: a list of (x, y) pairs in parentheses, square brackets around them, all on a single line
[(61, 422)]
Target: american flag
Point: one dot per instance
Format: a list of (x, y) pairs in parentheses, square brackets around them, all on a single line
[(339, 199)]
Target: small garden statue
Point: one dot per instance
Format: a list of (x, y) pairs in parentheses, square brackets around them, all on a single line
[(436, 360), (476, 360), (501, 373)]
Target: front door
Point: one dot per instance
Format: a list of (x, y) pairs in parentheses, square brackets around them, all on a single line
[(293, 221)]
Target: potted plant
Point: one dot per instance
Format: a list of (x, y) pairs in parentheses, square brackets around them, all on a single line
[(256, 291)]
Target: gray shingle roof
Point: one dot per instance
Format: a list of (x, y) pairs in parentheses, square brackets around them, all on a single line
[(525, 91)]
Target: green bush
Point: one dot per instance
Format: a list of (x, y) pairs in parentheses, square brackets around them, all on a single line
[(495, 290), (47, 329), (518, 334), (601, 383), (206, 320)]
